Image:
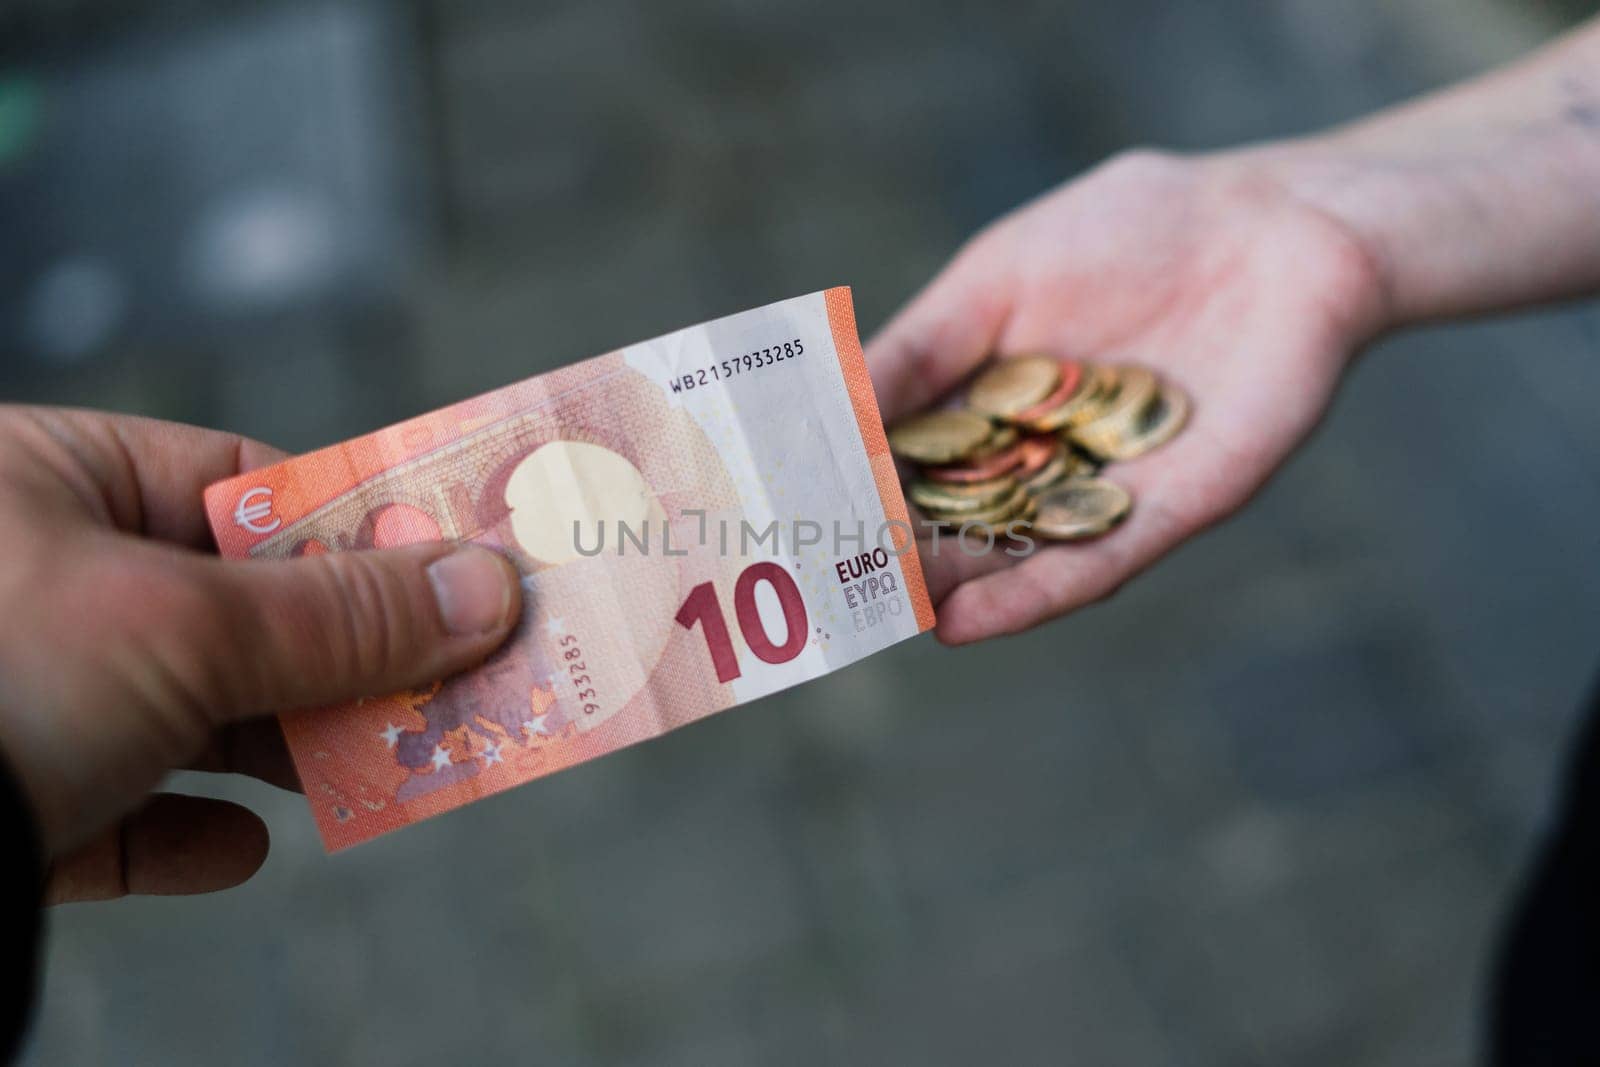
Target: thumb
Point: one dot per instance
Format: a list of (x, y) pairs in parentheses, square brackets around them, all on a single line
[(323, 629)]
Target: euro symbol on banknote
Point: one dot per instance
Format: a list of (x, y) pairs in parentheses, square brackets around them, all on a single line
[(760, 420), (254, 512)]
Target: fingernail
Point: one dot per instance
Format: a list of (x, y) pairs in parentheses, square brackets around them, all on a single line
[(473, 587)]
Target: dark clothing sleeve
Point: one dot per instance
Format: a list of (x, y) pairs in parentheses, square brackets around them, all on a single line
[(22, 879), (1547, 980)]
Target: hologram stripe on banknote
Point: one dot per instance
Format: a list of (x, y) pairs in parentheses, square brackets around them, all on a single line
[(759, 421)]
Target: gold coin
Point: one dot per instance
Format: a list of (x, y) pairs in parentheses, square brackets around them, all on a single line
[(1137, 391), (954, 499), (940, 436), (1005, 510), (1080, 508), (1000, 439), (1097, 390), (1157, 424), (1025, 513), (1014, 385), (1009, 511)]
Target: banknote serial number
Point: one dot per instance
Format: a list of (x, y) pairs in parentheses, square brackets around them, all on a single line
[(748, 363), (572, 656)]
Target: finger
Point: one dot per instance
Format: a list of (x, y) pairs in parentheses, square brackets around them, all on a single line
[(951, 558), (172, 464), (150, 475), (255, 747), (944, 332), (1174, 499), (267, 636), (174, 845)]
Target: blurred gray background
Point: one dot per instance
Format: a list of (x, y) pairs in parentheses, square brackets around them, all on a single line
[(1267, 807)]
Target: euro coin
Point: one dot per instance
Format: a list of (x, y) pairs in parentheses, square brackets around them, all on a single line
[(1001, 513), (1064, 464), (1155, 426), (1136, 389), (978, 470), (1013, 385), (1137, 392), (956, 498), (1036, 453), (1002, 438), (1080, 508), (1071, 375), (1025, 513), (1096, 391), (940, 436)]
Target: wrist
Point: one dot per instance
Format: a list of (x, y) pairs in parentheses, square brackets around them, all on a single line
[(1456, 219), (1362, 200)]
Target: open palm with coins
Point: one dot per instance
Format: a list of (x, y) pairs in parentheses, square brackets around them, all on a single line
[(1183, 321)]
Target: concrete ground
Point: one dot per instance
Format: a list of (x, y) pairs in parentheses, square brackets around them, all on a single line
[(1263, 808)]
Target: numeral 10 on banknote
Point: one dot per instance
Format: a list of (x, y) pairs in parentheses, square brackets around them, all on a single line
[(702, 607)]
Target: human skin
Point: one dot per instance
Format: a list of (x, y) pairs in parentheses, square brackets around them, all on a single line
[(127, 649), (1252, 278)]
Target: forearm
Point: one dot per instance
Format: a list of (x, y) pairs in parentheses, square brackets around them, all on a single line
[(1480, 198)]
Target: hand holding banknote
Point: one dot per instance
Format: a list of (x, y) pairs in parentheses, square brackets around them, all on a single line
[(1213, 273), (125, 652), (698, 520)]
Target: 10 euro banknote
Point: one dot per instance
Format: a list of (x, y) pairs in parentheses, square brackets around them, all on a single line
[(699, 520)]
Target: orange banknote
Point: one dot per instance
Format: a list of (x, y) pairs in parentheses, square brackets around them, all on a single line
[(699, 520)]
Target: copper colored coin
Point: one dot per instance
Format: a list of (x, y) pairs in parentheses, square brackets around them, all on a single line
[(1071, 375), (940, 436), (1037, 452), (981, 470), (1080, 508), (1013, 384)]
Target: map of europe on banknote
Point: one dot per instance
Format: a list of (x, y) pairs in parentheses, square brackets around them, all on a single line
[(699, 520)]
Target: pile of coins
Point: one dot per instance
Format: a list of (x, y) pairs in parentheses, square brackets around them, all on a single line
[(1029, 441)]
